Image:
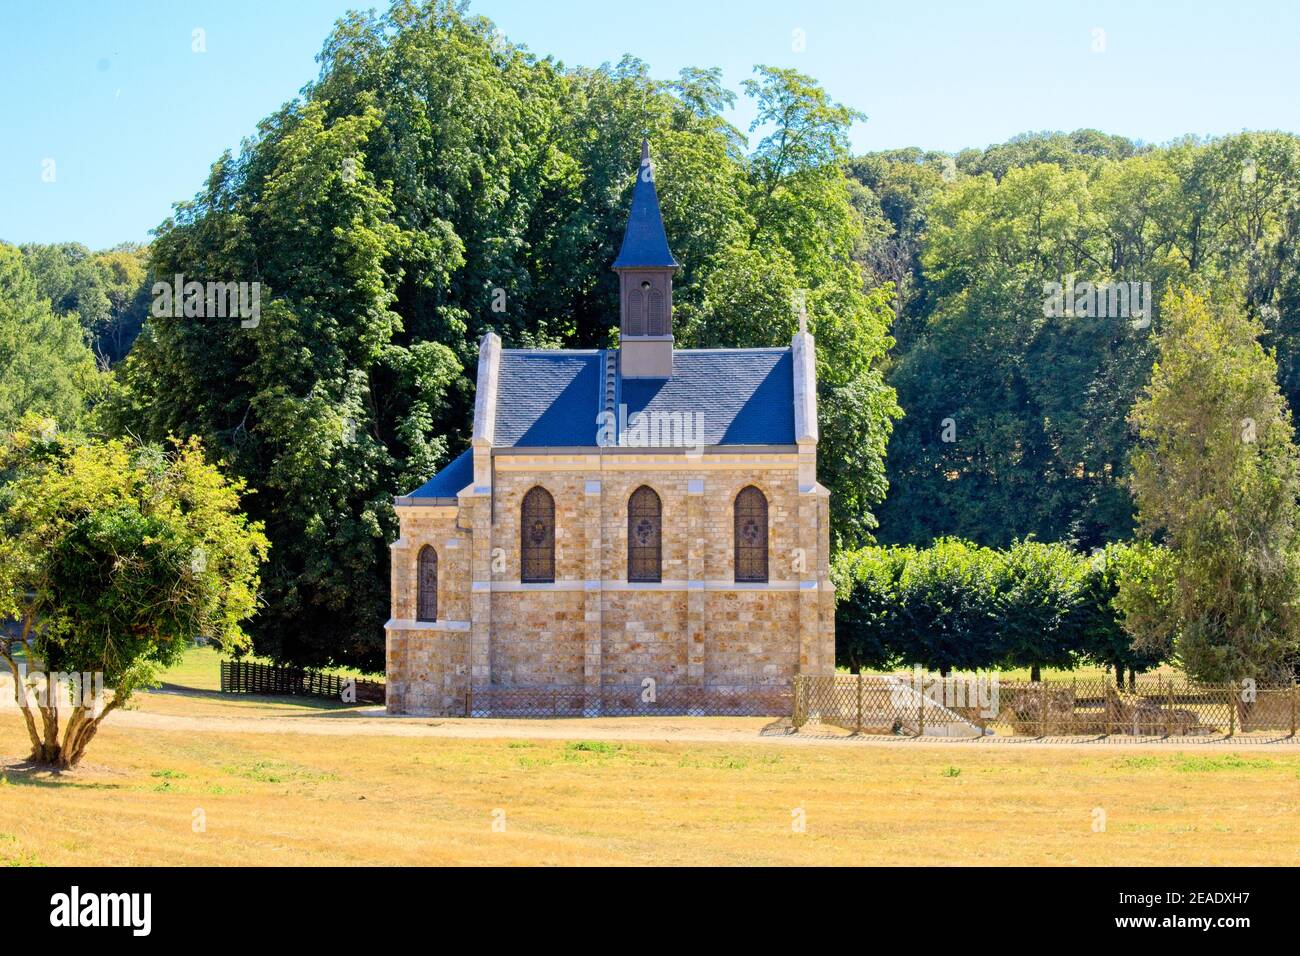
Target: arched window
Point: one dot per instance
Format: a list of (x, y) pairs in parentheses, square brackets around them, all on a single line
[(751, 535), (644, 535), (427, 585), (537, 537)]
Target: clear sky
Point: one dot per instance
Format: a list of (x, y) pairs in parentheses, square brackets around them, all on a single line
[(131, 117)]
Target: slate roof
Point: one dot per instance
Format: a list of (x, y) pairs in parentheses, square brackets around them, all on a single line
[(644, 242), (548, 398), (551, 398), (446, 483), (746, 396)]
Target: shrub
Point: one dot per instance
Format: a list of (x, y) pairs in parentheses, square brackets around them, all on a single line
[(957, 606)]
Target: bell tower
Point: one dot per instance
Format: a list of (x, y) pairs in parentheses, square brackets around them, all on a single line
[(645, 268)]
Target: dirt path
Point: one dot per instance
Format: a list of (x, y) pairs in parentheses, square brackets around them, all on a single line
[(372, 721)]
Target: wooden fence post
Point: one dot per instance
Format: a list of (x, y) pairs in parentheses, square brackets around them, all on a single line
[(1042, 708), (920, 722), (859, 720), (1108, 697), (1169, 708), (1294, 686), (1232, 710), (1074, 702)]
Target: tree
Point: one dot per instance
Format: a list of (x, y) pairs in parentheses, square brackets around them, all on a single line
[(105, 291), (803, 232), (1124, 588), (947, 620), (45, 366), (1216, 476), (1036, 591), (1039, 439), (437, 182), (114, 558), (868, 603)]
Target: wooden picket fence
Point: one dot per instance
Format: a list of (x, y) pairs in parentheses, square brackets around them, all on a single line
[(245, 677)]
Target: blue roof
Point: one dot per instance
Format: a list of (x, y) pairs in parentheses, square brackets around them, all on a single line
[(547, 398), (746, 396), (552, 398), (644, 241), (448, 482)]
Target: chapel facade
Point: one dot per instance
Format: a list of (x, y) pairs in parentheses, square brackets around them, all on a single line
[(632, 530)]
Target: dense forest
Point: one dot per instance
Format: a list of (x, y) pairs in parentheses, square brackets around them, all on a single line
[(436, 181)]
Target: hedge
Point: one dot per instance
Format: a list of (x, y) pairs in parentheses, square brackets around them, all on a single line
[(959, 606)]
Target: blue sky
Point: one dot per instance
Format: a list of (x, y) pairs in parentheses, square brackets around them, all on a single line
[(113, 94)]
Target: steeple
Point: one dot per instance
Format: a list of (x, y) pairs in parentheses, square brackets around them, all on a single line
[(644, 241), (645, 267)]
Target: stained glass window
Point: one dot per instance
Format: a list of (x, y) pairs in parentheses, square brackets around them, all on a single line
[(427, 585), (751, 535), (644, 535), (537, 537)]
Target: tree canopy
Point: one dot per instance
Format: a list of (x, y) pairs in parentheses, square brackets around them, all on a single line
[(114, 558), (436, 182)]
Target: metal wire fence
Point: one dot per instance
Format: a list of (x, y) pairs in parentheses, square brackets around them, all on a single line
[(732, 700), (978, 707)]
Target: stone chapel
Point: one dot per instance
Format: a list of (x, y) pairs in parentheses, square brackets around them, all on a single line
[(632, 530)]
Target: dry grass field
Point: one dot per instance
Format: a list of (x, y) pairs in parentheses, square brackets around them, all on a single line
[(277, 782)]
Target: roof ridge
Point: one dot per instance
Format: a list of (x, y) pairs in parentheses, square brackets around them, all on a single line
[(754, 348), (551, 351)]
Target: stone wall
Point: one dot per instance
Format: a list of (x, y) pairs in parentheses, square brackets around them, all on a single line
[(438, 527), (644, 635), (591, 628), (752, 637), (537, 638), (427, 671)]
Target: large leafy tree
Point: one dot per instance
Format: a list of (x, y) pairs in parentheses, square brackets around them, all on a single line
[(113, 558), (1217, 476), (803, 228), (436, 182), (1039, 438), (106, 291)]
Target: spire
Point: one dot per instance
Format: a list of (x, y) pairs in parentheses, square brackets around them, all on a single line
[(644, 243)]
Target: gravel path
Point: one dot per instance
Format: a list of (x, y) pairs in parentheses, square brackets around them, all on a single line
[(372, 721)]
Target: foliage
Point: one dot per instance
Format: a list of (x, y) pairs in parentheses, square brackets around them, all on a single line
[(1217, 476), (115, 557), (868, 583), (45, 367), (957, 606), (1127, 590), (1017, 421), (106, 292), (437, 182), (1036, 593)]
